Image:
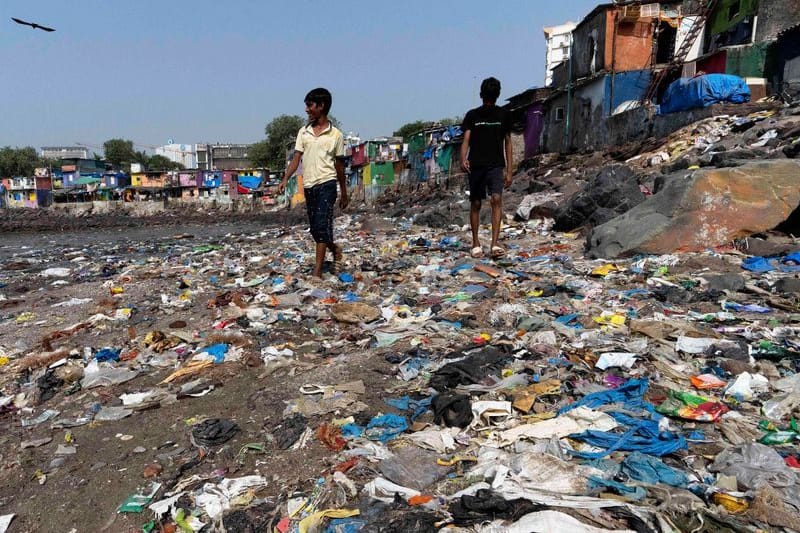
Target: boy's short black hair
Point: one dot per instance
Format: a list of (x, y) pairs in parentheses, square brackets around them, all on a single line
[(490, 89), (320, 96)]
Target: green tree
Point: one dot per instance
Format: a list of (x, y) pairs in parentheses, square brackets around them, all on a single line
[(118, 151), (160, 162), (18, 161), (140, 157), (258, 153), (407, 130), (281, 131), (450, 121)]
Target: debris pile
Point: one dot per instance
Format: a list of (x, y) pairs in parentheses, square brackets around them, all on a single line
[(208, 383)]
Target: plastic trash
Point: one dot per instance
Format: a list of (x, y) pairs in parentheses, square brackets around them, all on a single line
[(616, 359), (136, 503), (5, 522), (754, 465), (213, 432), (413, 467)]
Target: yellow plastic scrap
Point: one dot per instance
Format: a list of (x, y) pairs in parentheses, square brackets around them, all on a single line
[(25, 317), (191, 368), (610, 319), (731, 503), (4, 360), (605, 270), (311, 522)]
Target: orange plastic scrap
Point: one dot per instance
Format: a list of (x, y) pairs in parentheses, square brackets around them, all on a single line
[(331, 436), (490, 270), (422, 499), (707, 381), (191, 368)]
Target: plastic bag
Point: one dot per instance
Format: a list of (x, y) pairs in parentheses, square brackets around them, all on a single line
[(754, 465)]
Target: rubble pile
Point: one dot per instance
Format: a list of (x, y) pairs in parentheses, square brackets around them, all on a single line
[(209, 384), (203, 381)]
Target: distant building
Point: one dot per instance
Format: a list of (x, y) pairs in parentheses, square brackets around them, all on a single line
[(179, 153), (558, 40), (65, 152), (222, 156)]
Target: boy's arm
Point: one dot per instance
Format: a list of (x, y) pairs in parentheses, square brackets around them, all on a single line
[(509, 160), (465, 151), (339, 165), (290, 170)]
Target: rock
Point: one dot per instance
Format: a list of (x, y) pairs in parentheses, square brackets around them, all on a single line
[(766, 248), (541, 205), (613, 191), (707, 208), (792, 150), (725, 282), (788, 285), (35, 443)]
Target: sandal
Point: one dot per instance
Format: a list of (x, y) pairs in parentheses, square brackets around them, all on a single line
[(498, 252), (476, 252)]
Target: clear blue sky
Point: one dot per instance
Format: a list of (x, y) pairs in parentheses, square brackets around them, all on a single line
[(211, 71)]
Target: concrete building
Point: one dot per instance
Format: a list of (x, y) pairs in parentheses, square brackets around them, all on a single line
[(558, 40), (741, 38), (65, 152), (183, 154), (222, 156), (614, 51)]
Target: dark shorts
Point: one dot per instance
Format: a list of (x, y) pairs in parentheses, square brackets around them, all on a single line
[(483, 180), (320, 200)]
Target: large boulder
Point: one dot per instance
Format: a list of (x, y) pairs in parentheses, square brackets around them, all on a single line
[(706, 208), (613, 191)]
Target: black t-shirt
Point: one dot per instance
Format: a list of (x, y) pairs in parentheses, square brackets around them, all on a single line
[(489, 126)]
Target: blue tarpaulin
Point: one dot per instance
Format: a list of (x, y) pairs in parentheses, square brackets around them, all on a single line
[(703, 91), (250, 182)]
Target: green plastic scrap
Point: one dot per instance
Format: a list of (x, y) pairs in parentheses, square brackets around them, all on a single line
[(774, 435), (251, 446), (180, 519), (149, 526), (136, 503)]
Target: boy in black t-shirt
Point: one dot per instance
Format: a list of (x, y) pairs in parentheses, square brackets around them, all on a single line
[(486, 150)]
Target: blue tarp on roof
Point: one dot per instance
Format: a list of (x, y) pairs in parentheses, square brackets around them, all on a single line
[(250, 182), (703, 91)]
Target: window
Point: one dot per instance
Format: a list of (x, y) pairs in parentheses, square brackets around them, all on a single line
[(559, 114)]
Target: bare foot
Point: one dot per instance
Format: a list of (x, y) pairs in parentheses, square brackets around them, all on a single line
[(316, 273)]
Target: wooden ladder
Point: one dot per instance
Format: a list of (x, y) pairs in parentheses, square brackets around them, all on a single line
[(679, 58)]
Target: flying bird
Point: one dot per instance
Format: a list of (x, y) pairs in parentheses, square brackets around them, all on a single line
[(32, 25)]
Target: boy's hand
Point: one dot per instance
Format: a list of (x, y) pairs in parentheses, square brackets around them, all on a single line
[(465, 165), (508, 179), (344, 200), (282, 186)]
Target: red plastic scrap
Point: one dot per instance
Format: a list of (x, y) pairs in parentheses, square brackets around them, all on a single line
[(345, 466)]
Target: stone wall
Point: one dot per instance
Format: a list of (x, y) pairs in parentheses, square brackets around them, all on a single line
[(775, 16), (635, 125)]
